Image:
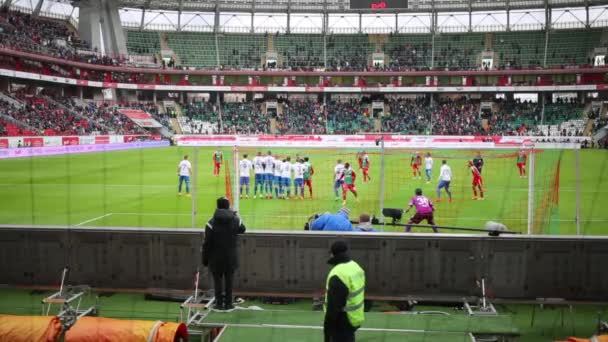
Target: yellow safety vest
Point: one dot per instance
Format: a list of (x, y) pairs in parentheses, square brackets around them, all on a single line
[(353, 276)]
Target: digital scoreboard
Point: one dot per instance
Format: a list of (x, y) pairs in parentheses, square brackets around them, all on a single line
[(377, 4)]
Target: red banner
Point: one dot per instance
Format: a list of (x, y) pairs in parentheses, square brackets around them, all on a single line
[(102, 139), (3, 143), (140, 117), (33, 142), (129, 138), (69, 141)]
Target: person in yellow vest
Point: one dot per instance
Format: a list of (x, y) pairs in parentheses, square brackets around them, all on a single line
[(344, 297)]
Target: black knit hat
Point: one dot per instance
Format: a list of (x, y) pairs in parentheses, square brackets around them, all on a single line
[(339, 251), (339, 247), (223, 203)]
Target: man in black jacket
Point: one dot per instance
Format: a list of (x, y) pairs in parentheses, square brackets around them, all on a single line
[(344, 297), (220, 251)]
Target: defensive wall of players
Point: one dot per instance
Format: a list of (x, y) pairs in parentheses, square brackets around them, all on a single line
[(400, 266)]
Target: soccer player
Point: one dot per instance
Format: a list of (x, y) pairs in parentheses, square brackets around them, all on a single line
[(445, 177), (521, 163), (428, 167), (258, 169), (277, 176), (268, 174), (348, 178), (337, 174), (245, 166), (415, 163), (218, 158), (360, 158), (298, 179), (364, 166), (184, 171), (478, 162), (286, 169), (424, 211), (477, 181), (308, 172)]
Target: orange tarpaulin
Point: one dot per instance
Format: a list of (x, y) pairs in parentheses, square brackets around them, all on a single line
[(29, 328), (98, 329), (600, 338)]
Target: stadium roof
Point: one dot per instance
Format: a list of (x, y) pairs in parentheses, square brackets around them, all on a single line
[(344, 5)]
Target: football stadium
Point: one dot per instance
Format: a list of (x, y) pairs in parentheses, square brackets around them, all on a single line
[(303, 170)]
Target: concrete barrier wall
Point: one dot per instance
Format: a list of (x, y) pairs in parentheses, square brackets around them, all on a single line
[(441, 266)]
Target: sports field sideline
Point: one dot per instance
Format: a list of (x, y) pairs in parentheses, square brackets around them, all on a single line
[(300, 323), (139, 188)]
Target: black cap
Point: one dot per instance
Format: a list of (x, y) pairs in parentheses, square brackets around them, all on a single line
[(339, 247), (223, 203), (339, 251)]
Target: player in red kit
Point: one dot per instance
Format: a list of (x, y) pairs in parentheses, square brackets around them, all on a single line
[(521, 163), (415, 162), (364, 165), (360, 158), (218, 158), (477, 182), (348, 178)]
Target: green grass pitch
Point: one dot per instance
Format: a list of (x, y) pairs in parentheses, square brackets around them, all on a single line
[(139, 188)]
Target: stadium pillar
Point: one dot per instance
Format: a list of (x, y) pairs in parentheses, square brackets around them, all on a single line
[(531, 174), (470, 16), (578, 191), (547, 29), (219, 111), (7, 4), (194, 180), (508, 16), (542, 101), (288, 29), (98, 16), (80, 93), (154, 97), (382, 176), (36, 10), (396, 22), (252, 30)]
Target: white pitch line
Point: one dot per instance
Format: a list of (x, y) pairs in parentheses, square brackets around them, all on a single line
[(316, 327), (93, 219)]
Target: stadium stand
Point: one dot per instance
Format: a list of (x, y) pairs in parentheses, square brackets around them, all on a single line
[(407, 116), (301, 116), (194, 49), (298, 51), (409, 51), (403, 116), (241, 51), (58, 115), (458, 51), (516, 49), (142, 42)]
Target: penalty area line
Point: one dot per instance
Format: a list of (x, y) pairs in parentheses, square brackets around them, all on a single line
[(93, 219)]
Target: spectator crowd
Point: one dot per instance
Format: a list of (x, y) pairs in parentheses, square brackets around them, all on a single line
[(48, 114)]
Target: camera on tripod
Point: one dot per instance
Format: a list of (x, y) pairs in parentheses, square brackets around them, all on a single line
[(394, 213)]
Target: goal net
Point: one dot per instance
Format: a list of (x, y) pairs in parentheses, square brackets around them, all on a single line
[(525, 199)]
